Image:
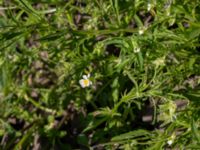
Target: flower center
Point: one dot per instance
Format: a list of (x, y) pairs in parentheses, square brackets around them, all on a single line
[(86, 82)]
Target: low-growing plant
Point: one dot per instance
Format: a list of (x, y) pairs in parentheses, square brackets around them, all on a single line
[(99, 74)]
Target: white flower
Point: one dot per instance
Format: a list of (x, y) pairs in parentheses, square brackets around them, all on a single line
[(169, 142), (136, 50), (141, 30), (171, 139), (159, 61), (85, 82), (148, 7)]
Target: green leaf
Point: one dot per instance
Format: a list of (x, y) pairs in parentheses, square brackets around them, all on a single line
[(115, 89), (130, 135), (51, 37), (28, 8), (193, 95), (5, 77), (195, 131), (11, 34), (140, 60), (193, 147), (94, 123), (193, 31)]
